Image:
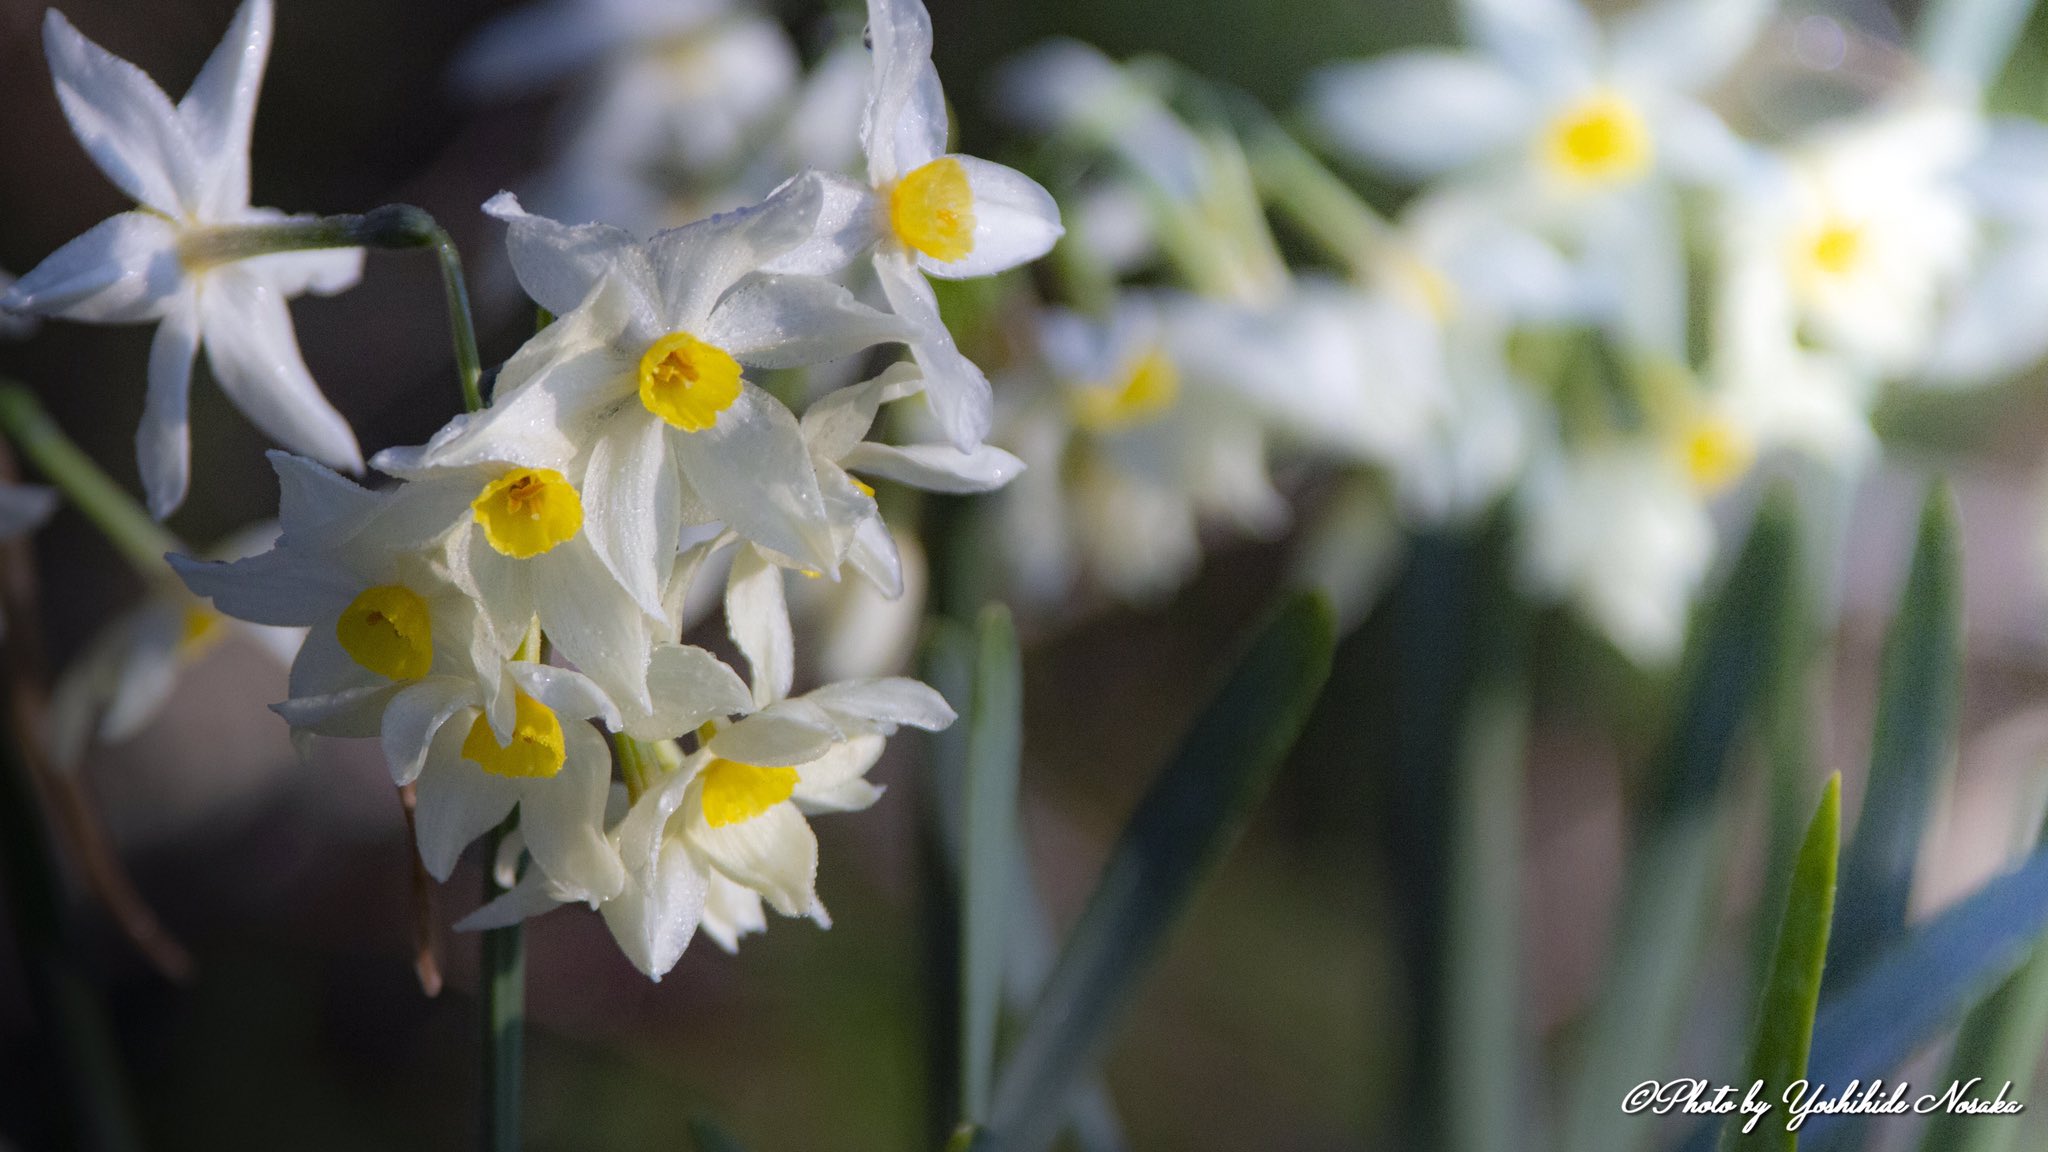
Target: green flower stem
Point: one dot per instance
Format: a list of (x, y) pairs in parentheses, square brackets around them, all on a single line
[(1320, 203), (502, 978), (394, 227), (140, 539)]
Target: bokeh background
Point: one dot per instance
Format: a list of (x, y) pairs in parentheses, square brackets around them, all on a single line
[(1276, 1021)]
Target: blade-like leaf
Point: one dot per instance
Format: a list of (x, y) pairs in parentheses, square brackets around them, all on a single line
[(1919, 689), (987, 850), (2000, 1043), (1187, 820), (1926, 981), (1784, 1027), (1673, 876)]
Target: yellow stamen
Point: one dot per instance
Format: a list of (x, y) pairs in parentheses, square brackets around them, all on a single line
[(199, 630), (931, 209), (865, 489), (387, 629), (536, 751), (1600, 139), (734, 791), (1145, 390), (1836, 248), (1715, 453), (687, 382), (528, 511)]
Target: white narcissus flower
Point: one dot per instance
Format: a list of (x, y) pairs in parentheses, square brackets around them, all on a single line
[(126, 675), (635, 396), (715, 833), (1620, 530), (928, 212), (1990, 328), (187, 166), (1550, 100), (396, 651)]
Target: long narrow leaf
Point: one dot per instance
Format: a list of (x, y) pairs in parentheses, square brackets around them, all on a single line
[(987, 850), (1674, 873), (2000, 1043), (1918, 694), (1784, 1026), (1926, 982), (1187, 820)]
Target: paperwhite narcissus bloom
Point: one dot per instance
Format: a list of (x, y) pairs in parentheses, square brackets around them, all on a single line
[(124, 677), (187, 166), (1621, 531), (927, 211), (1549, 99), (633, 401), (721, 830), (1874, 229), (1990, 328)]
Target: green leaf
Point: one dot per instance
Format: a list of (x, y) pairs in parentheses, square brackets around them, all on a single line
[(1925, 981), (1784, 1027), (1675, 872), (1186, 822), (1918, 693), (2000, 1042), (987, 850), (710, 1136)]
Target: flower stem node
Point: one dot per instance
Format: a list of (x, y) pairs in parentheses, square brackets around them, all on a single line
[(688, 382), (535, 752), (529, 511), (931, 210), (387, 629)]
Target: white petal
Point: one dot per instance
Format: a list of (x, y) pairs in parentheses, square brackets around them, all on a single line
[(352, 714), (323, 272), (845, 228), (757, 614), (786, 733), (313, 499), (124, 120), (570, 695), (840, 419), (1015, 222), (163, 441), (557, 264), (592, 620), (955, 388), (1551, 42), (774, 853), (688, 686), (147, 673), (791, 321), (731, 911), (886, 701), (824, 782), (415, 717), (219, 109), (698, 263), (1685, 45), (562, 818), (255, 358), (283, 587), (1420, 113), (458, 802), (123, 270), (657, 913), (532, 896), (633, 502), (906, 123), (753, 471), (936, 467)]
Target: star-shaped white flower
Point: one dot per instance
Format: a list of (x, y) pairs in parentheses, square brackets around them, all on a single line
[(636, 395), (927, 211), (187, 166)]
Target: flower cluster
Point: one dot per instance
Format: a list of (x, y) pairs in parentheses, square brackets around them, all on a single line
[(1598, 310), (507, 618)]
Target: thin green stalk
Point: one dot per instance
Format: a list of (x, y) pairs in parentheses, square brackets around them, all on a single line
[(140, 539), (1320, 203), (393, 226), (503, 981)]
